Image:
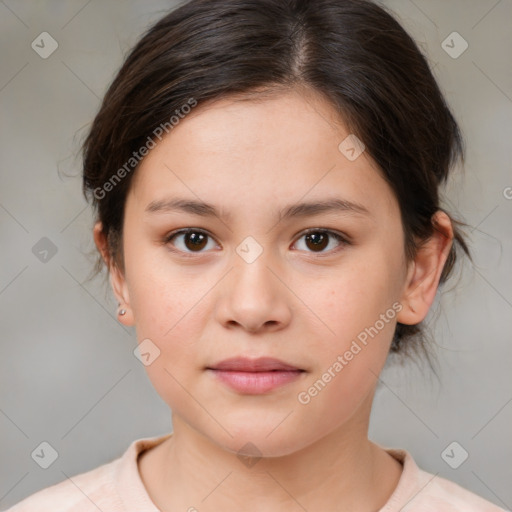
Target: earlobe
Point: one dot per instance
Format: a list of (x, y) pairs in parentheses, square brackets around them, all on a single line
[(117, 279), (124, 315), (425, 271), (120, 289), (118, 283)]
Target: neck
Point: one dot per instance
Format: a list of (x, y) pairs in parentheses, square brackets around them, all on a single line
[(343, 470)]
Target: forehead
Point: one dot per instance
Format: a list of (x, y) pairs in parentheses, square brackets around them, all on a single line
[(270, 149), (270, 119)]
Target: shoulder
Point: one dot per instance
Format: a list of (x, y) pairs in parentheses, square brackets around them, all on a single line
[(420, 491), (85, 492), (453, 497), (114, 487)]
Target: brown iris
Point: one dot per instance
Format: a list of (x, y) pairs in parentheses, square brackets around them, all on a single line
[(318, 239), (196, 240)]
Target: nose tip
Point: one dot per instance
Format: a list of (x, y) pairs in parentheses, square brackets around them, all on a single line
[(254, 299)]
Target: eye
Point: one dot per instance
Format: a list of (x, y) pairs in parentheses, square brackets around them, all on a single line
[(189, 240), (318, 239), (193, 240)]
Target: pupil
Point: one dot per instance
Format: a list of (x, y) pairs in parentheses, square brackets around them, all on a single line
[(319, 240), (197, 240)]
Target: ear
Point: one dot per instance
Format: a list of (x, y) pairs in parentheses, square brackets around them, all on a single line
[(117, 278), (425, 271)]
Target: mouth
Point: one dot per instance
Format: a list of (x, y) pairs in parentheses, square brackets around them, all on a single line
[(255, 376), (261, 364)]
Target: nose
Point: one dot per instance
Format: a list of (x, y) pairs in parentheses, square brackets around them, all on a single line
[(254, 297)]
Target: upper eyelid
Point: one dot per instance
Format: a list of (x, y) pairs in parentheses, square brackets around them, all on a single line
[(188, 230)]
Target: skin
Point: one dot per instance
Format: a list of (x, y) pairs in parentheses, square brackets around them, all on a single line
[(250, 159)]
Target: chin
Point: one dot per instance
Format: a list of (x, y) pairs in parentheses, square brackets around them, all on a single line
[(255, 442)]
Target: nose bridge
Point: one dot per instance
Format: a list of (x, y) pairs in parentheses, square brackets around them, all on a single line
[(252, 277)]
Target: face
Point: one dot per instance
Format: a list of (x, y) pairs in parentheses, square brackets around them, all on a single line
[(318, 288)]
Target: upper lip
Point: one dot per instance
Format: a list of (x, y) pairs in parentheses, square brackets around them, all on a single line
[(261, 364)]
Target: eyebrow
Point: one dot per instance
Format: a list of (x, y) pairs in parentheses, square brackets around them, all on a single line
[(302, 209)]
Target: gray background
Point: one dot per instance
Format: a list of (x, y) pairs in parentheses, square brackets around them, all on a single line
[(68, 373)]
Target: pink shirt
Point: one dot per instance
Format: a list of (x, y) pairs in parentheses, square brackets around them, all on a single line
[(117, 487)]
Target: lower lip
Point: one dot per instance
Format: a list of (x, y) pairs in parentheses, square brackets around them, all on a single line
[(255, 383)]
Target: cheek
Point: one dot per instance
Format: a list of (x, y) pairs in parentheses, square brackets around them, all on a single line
[(335, 395), (360, 307), (347, 364), (357, 297), (163, 296), (169, 313), (173, 324)]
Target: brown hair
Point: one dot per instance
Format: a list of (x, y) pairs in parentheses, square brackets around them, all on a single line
[(352, 52)]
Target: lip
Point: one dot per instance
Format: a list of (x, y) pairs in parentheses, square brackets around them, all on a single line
[(255, 376), (245, 364)]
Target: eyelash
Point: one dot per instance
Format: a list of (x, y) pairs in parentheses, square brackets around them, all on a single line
[(343, 241)]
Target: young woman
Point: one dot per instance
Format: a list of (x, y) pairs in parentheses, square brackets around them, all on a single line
[(265, 175)]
